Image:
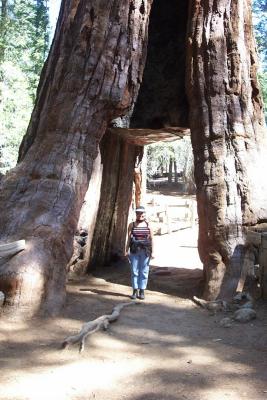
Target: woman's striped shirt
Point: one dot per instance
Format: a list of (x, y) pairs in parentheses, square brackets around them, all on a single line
[(141, 233)]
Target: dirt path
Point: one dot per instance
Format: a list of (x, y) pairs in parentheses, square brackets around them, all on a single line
[(166, 348)]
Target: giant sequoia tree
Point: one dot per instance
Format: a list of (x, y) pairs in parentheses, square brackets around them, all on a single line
[(92, 76), (228, 136)]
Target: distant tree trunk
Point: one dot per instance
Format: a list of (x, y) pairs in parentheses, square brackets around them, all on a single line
[(92, 75), (228, 136), (170, 171), (175, 172), (3, 28)]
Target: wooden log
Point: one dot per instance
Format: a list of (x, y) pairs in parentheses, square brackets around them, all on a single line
[(9, 249)]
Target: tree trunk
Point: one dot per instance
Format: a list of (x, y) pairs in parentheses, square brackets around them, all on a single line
[(228, 136), (92, 75), (87, 222), (170, 171), (175, 172), (137, 186), (3, 29), (138, 178), (116, 195), (143, 198)]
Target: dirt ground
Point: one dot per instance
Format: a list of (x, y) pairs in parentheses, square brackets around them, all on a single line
[(164, 348)]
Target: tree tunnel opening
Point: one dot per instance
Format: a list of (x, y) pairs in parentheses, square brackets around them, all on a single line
[(171, 213), (160, 114)]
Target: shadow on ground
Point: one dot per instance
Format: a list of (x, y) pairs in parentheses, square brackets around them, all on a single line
[(173, 349), (181, 282)]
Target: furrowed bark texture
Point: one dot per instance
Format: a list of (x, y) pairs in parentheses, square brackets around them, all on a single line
[(116, 196), (228, 136), (92, 75), (87, 222)]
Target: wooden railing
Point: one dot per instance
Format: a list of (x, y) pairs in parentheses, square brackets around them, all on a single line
[(169, 216)]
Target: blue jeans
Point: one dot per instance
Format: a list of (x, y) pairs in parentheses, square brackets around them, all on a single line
[(139, 269)]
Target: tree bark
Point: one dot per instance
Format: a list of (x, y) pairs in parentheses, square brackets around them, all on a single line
[(228, 136), (92, 75), (116, 195), (140, 177), (87, 222)]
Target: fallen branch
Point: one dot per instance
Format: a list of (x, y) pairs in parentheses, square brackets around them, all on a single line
[(93, 326)]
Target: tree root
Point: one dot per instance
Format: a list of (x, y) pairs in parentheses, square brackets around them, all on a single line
[(93, 326)]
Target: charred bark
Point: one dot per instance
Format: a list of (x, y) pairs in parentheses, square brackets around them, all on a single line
[(92, 75), (228, 136)]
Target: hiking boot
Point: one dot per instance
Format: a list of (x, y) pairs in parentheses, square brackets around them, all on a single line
[(141, 294), (134, 295)]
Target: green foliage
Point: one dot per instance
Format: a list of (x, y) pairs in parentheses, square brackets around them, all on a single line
[(259, 9), (23, 48), (160, 154), (26, 38), (15, 112), (263, 82)]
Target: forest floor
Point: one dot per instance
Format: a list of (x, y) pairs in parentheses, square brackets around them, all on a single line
[(164, 348)]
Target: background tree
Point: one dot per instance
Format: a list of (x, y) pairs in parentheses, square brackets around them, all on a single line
[(23, 49), (3, 28), (176, 155), (259, 8), (263, 82)]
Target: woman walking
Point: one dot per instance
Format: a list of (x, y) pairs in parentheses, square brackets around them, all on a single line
[(140, 243)]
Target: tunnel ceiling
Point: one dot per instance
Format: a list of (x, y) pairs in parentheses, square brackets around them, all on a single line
[(161, 109), (142, 137), (162, 101)]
